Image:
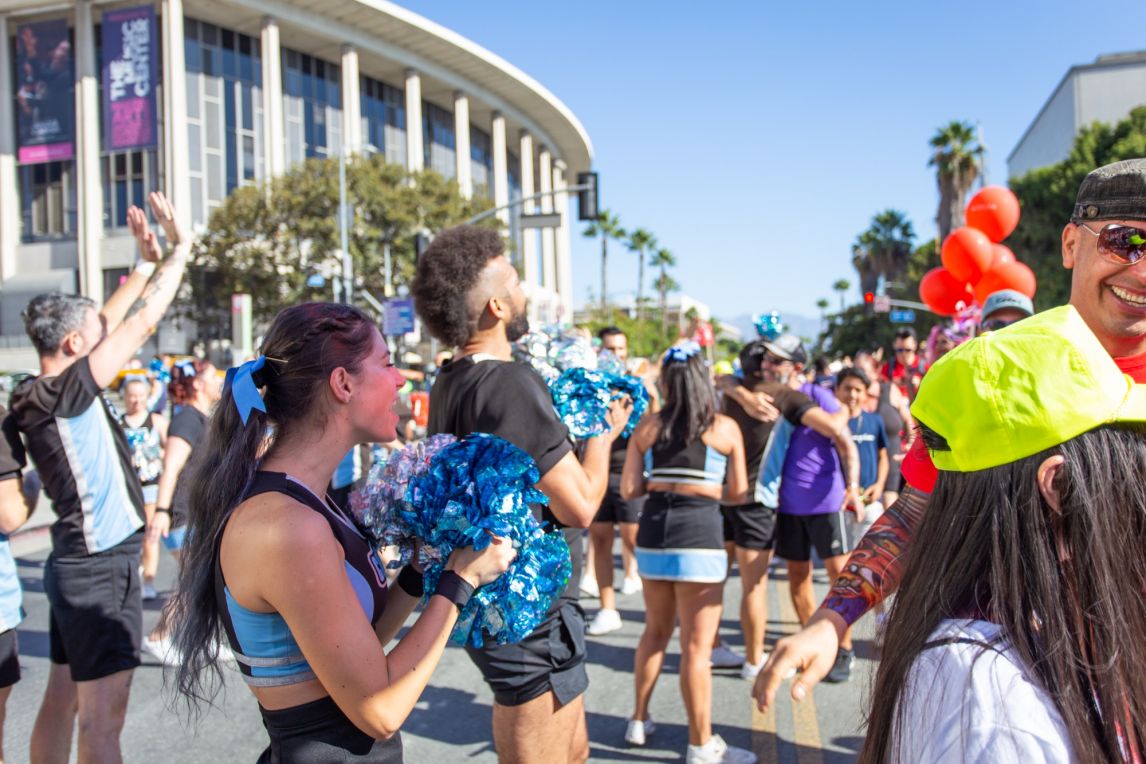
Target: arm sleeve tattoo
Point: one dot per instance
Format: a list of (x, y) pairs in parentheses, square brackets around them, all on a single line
[(875, 568)]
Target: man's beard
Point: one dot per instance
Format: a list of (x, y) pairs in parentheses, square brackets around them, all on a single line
[(517, 327)]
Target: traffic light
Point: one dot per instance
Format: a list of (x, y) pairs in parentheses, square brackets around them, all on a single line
[(587, 197), (868, 298)]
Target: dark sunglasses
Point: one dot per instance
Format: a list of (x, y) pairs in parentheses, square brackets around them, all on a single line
[(904, 350), (1122, 244), (994, 325), (773, 360)]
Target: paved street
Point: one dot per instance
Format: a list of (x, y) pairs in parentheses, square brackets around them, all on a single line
[(451, 723)]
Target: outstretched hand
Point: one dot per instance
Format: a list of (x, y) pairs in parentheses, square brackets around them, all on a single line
[(165, 215), (149, 249)]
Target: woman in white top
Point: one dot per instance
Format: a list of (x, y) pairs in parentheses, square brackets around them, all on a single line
[(1018, 632)]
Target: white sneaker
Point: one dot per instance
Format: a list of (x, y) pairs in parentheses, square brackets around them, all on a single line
[(149, 592), (631, 585), (723, 657), (589, 587), (750, 670), (716, 751), (162, 650), (605, 621), (638, 733)]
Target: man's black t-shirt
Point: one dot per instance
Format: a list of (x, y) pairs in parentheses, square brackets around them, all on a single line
[(75, 440), (792, 405), (510, 400), (12, 458), (190, 424)]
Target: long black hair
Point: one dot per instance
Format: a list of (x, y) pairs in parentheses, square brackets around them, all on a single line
[(690, 401), (1066, 585), (304, 344)]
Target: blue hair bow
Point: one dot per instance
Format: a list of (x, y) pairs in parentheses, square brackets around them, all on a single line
[(682, 351), (240, 381), (187, 367)]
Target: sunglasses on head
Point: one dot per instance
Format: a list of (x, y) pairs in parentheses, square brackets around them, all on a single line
[(1122, 244)]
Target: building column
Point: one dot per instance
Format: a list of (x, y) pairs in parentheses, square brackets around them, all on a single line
[(89, 191), (176, 148), (9, 184), (415, 158), (528, 235), (274, 120), (548, 261), (351, 101), (464, 170), (500, 166), (562, 234)]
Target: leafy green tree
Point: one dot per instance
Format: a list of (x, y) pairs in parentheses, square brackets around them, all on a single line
[(1047, 198), (842, 286), (823, 305), (883, 249), (269, 240), (606, 226), (639, 241), (663, 259), (956, 156)]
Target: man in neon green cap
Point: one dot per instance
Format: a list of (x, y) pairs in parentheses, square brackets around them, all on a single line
[(1103, 245)]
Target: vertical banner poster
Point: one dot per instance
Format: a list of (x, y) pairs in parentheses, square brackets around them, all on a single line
[(45, 92), (129, 78)]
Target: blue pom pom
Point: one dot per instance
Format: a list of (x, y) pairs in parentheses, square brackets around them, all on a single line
[(582, 398), (448, 493)]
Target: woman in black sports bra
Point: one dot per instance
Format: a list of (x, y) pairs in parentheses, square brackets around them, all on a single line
[(285, 576)]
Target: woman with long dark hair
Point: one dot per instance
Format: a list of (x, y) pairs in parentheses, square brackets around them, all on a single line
[(275, 568), (1017, 633), (695, 457)]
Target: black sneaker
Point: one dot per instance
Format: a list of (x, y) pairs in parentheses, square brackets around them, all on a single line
[(842, 671)]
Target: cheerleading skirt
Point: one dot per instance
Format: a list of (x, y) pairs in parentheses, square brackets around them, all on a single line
[(318, 732), (681, 538)]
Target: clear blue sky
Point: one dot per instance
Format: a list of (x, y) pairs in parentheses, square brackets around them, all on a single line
[(757, 139)]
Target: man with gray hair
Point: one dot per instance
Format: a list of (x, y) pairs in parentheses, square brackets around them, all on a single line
[(72, 435)]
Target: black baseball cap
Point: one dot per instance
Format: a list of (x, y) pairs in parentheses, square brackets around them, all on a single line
[(1113, 192)]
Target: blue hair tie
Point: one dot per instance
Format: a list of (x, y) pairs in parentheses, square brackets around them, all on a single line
[(682, 351), (240, 381), (187, 367)]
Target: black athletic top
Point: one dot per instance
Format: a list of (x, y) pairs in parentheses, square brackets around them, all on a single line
[(508, 399), (190, 425), (74, 438)]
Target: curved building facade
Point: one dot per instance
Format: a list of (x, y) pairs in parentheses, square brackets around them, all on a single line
[(243, 90)]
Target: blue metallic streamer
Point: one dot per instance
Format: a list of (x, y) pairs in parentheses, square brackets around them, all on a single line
[(582, 397)]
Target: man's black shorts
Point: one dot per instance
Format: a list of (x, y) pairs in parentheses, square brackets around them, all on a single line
[(9, 659), (614, 509), (95, 612), (550, 658), (796, 535), (753, 525)]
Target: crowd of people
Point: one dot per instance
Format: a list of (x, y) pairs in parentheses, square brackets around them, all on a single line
[(1007, 445)]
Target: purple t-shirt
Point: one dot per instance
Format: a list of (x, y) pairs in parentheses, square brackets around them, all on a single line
[(813, 482)]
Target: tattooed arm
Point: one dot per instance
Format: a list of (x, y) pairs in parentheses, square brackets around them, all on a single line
[(871, 574), (117, 348)]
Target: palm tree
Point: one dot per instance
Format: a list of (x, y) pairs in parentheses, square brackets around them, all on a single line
[(607, 226), (842, 286), (663, 259), (639, 241), (823, 304), (956, 156), (883, 249)]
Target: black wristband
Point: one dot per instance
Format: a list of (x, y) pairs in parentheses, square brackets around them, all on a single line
[(455, 588), (411, 582), (163, 510)]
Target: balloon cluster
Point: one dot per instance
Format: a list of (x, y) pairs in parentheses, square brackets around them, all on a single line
[(768, 325), (582, 398), (975, 263), (436, 497)]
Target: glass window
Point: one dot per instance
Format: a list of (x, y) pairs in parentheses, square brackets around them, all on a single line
[(48, 201), (127, 177), (438, 142), (481, 162), (312, 97)]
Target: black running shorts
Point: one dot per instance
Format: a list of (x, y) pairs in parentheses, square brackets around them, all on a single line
[(797, 535), (753, 525)]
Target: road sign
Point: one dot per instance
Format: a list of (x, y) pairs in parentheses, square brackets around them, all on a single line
[(881, 303), (902, 316), (540, 220), (398, 317)]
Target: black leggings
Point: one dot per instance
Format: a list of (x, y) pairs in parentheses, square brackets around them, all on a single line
[(318, 732)]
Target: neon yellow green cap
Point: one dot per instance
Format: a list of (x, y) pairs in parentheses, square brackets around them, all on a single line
[(1013, 393)]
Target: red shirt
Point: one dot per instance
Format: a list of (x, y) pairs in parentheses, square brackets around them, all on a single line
[(921, 474)]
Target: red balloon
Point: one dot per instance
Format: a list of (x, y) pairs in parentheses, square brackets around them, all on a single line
[(1014, 275), (1000, 255), (994, 211), (967, 253), (943, 293)]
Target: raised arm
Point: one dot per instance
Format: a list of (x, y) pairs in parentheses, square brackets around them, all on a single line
[(150, 255), (148, 308)]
